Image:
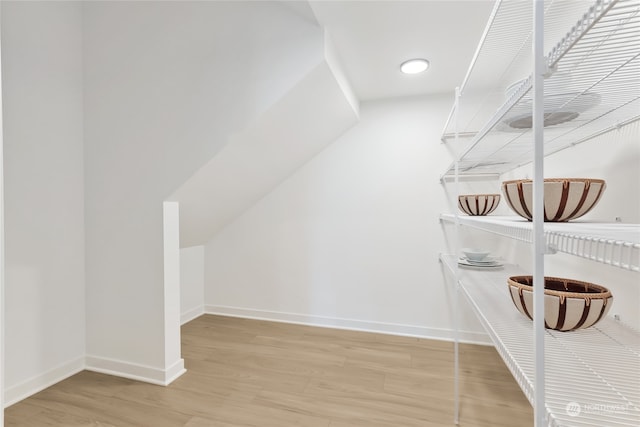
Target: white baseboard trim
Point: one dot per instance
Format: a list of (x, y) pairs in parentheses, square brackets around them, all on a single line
[(21, 391), (174, 371), (191, 314), (135, 371), (351, 324)]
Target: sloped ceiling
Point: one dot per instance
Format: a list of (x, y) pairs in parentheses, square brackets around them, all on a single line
[(310, 116)]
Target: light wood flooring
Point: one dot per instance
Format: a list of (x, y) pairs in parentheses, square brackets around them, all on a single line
[(248, 373)]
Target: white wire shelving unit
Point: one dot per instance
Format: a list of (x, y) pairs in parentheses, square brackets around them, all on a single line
[(579, 369), (591, 87), (613, 244)]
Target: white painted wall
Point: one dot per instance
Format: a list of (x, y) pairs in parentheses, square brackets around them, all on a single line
[(352, 238), (191, 283), (44, 214), (166, 84)]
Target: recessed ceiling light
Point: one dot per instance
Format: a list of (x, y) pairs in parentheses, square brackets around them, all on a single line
[(414, 66)]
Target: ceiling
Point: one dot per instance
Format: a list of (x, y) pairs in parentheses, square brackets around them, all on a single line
[(373, 38)]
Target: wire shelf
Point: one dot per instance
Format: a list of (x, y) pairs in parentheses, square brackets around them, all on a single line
[(593, 88), (613, 244), (583, 387), (503, 57)]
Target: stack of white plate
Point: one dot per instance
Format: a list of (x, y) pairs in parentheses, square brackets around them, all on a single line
[(485, 263), (478, 258)]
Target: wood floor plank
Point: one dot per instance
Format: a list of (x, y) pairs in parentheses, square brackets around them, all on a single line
[(20, 414), (252, 373)]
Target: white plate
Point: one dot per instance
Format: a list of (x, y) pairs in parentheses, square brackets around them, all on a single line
[(465, 262), (486, 261)]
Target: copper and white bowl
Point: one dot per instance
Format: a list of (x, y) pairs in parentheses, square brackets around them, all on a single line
[(564, 198), (568, 304), (478, 204)]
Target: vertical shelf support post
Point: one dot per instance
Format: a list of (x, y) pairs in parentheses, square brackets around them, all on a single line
[(2, 266), (456, 302), (539, 244)]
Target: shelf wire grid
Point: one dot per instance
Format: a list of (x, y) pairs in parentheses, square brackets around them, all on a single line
[(614, 244), (506, 47), (579, 370), (595, 84)]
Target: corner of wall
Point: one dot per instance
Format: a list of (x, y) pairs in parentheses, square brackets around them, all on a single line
[(191, 314), (335, 65), (38, 383), (191, 283)]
